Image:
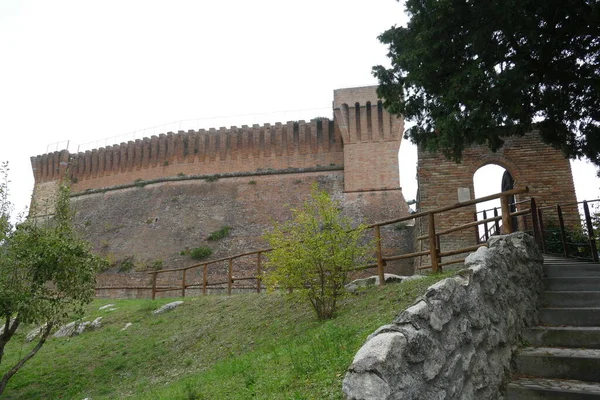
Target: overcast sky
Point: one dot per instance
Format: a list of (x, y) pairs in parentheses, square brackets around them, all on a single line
[(85, 71)]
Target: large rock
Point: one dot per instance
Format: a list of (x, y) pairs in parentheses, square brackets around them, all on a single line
[(77, 328), (167, 307), (456, 341)]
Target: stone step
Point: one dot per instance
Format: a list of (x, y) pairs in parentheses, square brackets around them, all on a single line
[(540, 388), (572, 299), (563, 336), (575, 269), (580, 316), (549, 362), (579, 283)]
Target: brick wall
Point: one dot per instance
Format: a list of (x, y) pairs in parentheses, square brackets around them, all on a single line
[(262, 170), (532, 163)]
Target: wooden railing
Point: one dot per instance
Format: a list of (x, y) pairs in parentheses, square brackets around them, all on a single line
[(434, 252), (546, 244)]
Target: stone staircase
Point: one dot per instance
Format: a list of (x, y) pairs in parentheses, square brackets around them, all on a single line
[(563, 357)]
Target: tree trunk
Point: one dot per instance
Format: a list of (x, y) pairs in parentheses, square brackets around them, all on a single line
[(13, 370)]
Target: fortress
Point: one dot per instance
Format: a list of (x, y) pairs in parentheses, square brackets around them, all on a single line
[(153, 199)]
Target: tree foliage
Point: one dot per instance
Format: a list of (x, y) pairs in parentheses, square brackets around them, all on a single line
[(46, 272), (471, 72), (313, 253)]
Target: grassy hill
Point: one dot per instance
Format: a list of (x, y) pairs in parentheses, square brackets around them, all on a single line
[(251, 346)]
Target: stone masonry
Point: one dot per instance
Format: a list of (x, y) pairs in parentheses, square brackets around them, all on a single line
[(457, 341)]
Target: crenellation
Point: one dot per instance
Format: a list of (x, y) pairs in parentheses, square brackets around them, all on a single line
[(138, 154), (254, 140), (279, 139), (87, 164), (44, 165), (153, 150), (130, 157), (268, 140), (368, 118), (162, 148), (303, 138), (101, 161), (179, 147), (319, 142), (223, 143), (212, 145)]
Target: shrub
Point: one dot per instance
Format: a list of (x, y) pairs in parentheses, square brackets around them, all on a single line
[(200, 253), (126, 264), (220, 234), (314, 252)]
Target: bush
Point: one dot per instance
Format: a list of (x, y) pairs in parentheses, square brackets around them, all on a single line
[(314, 252), (220, 234), (200, 253)]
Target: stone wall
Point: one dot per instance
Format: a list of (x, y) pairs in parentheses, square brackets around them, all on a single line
[(457, 341)]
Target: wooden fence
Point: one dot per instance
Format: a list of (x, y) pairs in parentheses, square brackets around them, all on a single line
[(436, 256)]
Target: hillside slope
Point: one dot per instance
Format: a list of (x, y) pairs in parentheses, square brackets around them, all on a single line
[(215, 347)]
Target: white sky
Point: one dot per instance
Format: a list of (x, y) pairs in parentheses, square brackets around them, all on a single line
[(84, 71)]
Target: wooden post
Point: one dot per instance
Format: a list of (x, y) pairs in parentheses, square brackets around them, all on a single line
[(204, 279), (183, 283), (496, 223), (542, 235), (535, 223), (563, 234), (229, 276), (590, 230), (380, 271), (433, 250), (438, 246), (258, 271), (154, 285), (506, 218), (485, 226), (476, 227)]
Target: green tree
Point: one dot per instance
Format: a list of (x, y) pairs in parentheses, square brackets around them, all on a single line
[(473, 72), (313, 253), (46, 273)]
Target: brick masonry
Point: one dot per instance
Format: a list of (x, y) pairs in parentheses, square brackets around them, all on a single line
[(531, 162), (150, 198)]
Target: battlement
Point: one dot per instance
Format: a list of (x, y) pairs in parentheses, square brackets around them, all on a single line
[(296, 144), (363, 138)]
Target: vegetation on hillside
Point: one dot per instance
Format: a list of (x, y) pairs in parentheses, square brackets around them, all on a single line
[(46, 274), (314, 251), (213, 347)]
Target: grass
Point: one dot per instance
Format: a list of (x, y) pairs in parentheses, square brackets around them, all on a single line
[(214, 347)]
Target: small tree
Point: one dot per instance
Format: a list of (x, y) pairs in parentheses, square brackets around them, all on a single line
[(313, 253), (46, 273)]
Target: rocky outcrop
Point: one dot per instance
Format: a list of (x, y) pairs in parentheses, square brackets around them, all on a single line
[(167, 307), (457, 340), (77, 328)]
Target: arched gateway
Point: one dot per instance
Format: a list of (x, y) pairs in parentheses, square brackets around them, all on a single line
[(528, 161)]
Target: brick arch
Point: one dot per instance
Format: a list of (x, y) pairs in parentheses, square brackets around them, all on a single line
[(532, 163), (502, 161)]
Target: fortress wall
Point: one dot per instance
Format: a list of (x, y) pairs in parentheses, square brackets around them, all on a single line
[(151, 199), (159, 221), (268, 147)]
